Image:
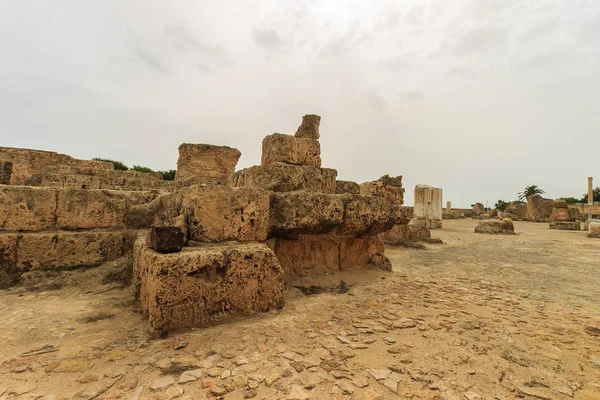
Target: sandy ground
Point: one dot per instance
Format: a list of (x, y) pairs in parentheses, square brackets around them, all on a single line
[(479, 317)]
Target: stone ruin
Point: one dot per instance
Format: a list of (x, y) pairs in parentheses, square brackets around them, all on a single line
[(211, 243), (428, 206)]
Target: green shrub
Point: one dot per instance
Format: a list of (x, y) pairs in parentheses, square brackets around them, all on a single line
[(139, 168), (571, 200), (118, 164), (596, 192), (501, 205), (168, 175)]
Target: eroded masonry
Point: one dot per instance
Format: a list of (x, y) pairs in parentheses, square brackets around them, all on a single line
[(211, 243)]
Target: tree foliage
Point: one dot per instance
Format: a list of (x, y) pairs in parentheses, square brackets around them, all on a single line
[(168, 175), (530, 190), (596, 192), (139, 168), (501, 205)]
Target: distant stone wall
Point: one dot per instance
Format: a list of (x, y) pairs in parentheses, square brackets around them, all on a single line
[(539, 208), (25, 167)]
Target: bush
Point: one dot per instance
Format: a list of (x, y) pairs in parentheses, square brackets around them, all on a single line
[(168, 175), (571, 200), (501, 205), (118, 164), (139, 168)]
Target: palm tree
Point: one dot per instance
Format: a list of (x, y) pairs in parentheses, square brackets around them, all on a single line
[(529, 191)]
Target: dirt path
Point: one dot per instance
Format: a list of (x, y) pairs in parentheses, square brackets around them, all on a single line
[(479, 317)]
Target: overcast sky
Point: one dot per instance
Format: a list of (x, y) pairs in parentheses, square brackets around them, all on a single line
[(478, 97)]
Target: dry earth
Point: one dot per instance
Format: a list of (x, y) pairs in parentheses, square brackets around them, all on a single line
[(479, 317)]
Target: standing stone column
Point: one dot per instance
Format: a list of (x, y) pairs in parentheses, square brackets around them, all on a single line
[(448, 207), (590, 196)]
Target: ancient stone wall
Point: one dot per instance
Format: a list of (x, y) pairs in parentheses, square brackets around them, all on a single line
[(25, 167)]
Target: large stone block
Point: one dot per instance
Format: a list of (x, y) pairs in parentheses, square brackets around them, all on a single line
[(219, 213), (366, 215), (347, 187), (9, 273), (495, 227), (201, 285), (281, 177), (5, 172), (165, 239), (367, 252), (86, 209), (388, 187), (67, 249), (290, 150), (303, 212), (594, 229), (566, 225), (27, 208), (318, 254), (539, 208), (307, 254), (310, 127), (205, 163)]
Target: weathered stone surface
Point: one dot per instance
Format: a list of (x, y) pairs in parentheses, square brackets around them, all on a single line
[(516, 211), (216, 214), (309, 128), (594, 229), (281, 177), (290, 150), (539, 208), (27, 208), (9, 273), (347, 187), (67, 250), (165, 239), (412, 232), (307, 254), (560, 214), (478, 209), (318, 254), (566, 225), (81, 209), (205, 163), (366, 215), (393, 194), (495, 227), (5, 172), (303, 212), (367, 252), (200, 285)]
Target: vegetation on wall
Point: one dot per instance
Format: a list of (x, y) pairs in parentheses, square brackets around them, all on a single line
[(501, 205), (166, 175)]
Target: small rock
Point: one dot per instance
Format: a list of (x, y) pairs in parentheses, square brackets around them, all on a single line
[(172, 393), (218, 391), (250, 393), (379, 374), (127, 383), (472, 396), (343, 339), (226, 374), (213, 372), (404, 324), (389, 340), (162, 383), (240, 361), (391, 385), (297, 393), (346, 387)]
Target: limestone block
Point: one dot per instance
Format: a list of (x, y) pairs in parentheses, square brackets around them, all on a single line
[(290, 150), (201, 285), (205, 163), (428, 203), (9, 273), (281, 177), (366, 215), (594, 229), (85, 209), (574, 214), (27, 208), (393, 194), (310, 127), (495, 227), (219, 213), (304, 212), (165, 239), (5, 172), (319, 254), (566, 225), (347, 187), (560, 214), (367, 252), (409, 233), (67, 249), (539, 208)]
